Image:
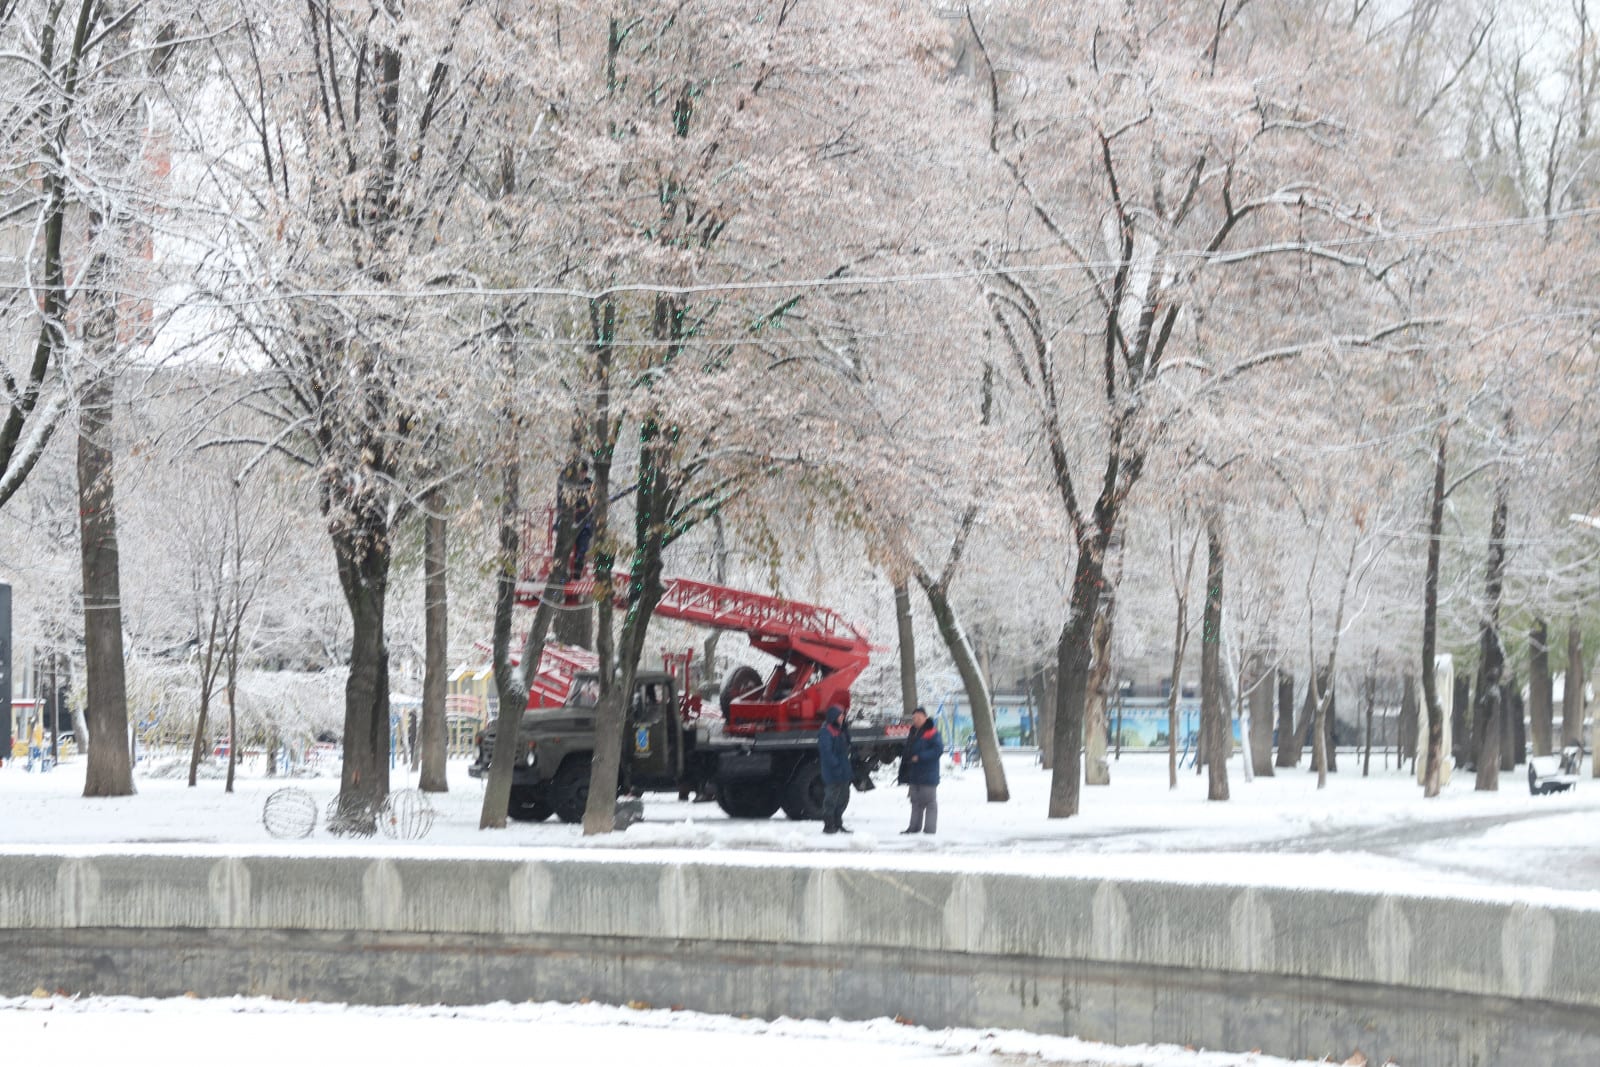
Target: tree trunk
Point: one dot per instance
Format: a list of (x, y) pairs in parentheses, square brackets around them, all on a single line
[(908, 649), (1540, 704), (574, 625), (1044, 729), (1299, 732), (645, 591), (1460, 722), (362, 557), (1179, 641), (1433, 759), (1519, 710), (233, 710), (210, 659), (1486, 727), (719, 553), (653, 508), (983, 727), (1594, 747), (1262, 690), (1371, 695), (435, 741), (1096, 768), (511, 684), (1510, 725), (1073, 653), (603, 434), (1572, 691), (1330, 726), (1409, 724), (1304, 723), (1288, 747), (110, 764), (1213, 709), (1318, 700)]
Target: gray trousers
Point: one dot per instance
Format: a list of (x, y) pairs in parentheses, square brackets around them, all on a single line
[(835, 798), (924, 809)]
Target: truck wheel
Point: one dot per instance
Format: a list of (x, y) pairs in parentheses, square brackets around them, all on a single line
[(802, 794), (529, 804), (747, 800), (569, 791), (742, 681)]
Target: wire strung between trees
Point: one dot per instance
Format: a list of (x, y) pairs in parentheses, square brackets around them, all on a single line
[(839, 281)]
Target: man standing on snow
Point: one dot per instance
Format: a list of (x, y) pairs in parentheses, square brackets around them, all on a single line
[(919, 768), (833, 751)]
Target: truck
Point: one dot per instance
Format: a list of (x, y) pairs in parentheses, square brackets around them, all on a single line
[(751, 746)]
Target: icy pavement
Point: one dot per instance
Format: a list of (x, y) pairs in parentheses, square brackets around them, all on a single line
[(248, 1032)]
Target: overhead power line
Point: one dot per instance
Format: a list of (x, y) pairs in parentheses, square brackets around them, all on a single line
[(890, 280)]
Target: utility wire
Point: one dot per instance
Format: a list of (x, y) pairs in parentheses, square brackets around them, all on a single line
[(846, 281)]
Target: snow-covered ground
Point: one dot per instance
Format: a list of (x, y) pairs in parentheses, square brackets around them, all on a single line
[(1359, 833), (246, 1032), (1374, 833)]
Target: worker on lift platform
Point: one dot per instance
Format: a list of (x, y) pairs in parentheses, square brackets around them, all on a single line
[(576, 500)]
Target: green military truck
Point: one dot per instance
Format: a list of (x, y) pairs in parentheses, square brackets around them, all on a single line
[(671, 745)]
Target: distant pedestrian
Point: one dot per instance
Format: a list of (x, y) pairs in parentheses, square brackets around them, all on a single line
[(36, 744), (919, 768), (833, 750)]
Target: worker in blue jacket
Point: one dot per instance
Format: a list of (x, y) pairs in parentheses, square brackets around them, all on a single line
[(919, 768), (833, 750)]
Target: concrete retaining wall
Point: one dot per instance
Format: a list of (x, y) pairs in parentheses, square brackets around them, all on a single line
[(1297, 973)]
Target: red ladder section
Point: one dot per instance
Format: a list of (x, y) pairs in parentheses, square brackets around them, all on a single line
[(821, 654), (722, 608), (559, 665)]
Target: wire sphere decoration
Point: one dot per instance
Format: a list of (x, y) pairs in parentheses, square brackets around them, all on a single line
[(290, 813), (352, 817), (406, 815)]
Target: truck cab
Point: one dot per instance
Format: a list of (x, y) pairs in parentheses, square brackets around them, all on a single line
[(554, 746)]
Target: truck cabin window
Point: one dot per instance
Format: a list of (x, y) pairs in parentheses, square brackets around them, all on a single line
[(648, 700)]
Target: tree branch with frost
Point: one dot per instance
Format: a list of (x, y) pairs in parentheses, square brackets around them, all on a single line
[(1036, 204), (41, 427), (1040, 369)]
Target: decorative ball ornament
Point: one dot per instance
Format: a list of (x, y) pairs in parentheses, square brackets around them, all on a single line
[(290, 813), (406, 815)]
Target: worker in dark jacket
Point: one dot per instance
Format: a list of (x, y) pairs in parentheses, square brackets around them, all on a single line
[(833, 750), (919, 768)]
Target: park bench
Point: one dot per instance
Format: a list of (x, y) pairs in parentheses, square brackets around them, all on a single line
[(1555, 774)]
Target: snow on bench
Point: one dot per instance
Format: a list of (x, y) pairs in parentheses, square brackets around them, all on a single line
[(1554, 774)]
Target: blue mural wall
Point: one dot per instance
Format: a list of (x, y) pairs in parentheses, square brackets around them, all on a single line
[(1143, 720)]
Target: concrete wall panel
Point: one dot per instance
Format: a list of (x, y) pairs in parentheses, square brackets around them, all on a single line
[(1305, 973)]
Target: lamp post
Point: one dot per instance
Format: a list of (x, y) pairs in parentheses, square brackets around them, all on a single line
[(55, 713)]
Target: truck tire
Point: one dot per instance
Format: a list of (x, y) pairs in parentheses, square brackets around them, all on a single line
[(569, 790), (529, 803), (742, 681), (802, 793), (747, 800)]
